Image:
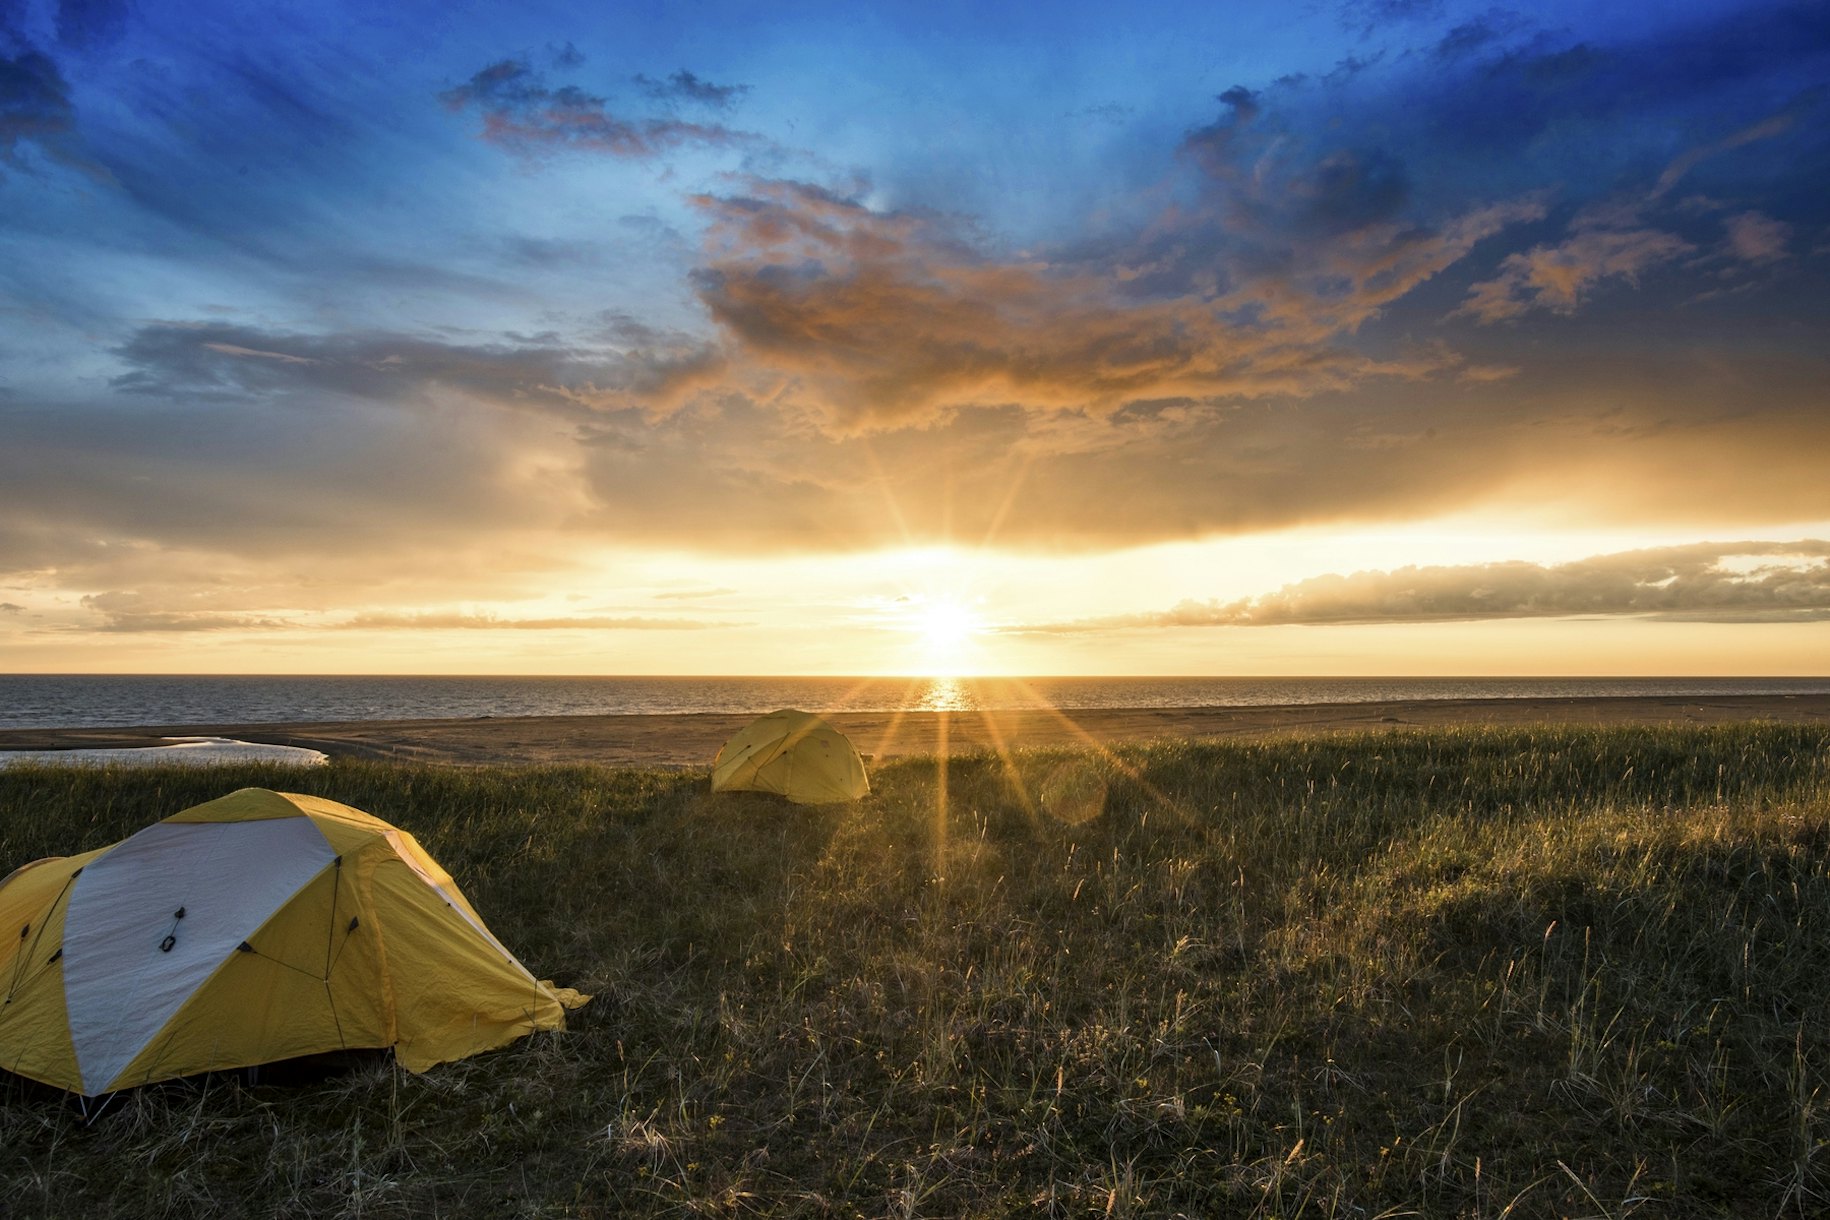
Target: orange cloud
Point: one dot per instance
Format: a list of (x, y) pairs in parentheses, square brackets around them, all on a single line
[(886, 319), (1556, 277), (1757, 238)]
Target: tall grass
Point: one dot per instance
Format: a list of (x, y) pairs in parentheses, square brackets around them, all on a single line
[(1475, 973)]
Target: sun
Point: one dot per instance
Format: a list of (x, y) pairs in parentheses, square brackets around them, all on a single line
[(945, 625), (946, 630)]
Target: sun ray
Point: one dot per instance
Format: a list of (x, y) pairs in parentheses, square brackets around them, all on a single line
[(882, 481), (1104, 751), (1009, 500), (888, 737), (941, 759), (995, 732)]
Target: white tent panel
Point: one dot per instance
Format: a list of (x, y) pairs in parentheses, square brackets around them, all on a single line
[(122, 982)]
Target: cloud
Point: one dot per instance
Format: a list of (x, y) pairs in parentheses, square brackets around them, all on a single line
[(684, 594), (1765, 129), (1283, 227), (126, 611), (1272, 249), (35, 109), (1757, 238), (883, 319), (1350, 190), (1369, 15), (634, 365), (520, 113), (1479, 34), (1556, 277), (1478, 373), (290, 498), (1706, 581), (297, 502), (11, 608), (490, 622), (180, 610), (1503, 103), (1529, 90), (684, 86), (1109, 112)]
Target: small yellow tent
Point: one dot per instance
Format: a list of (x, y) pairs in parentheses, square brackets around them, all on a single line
[(258, 927), (794, 754)]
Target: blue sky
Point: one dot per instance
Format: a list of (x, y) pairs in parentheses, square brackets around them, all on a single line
[(466, 309)]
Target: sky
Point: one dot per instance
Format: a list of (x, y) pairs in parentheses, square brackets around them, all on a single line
[(1340, 337)]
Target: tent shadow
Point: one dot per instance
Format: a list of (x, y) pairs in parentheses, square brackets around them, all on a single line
[(308, 1070), (287, 1076)]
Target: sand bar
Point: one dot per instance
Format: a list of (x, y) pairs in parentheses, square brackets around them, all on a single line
[(691, 740)]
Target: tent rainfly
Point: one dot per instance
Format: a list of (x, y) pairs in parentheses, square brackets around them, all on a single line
[(257, 927), (794, 754)]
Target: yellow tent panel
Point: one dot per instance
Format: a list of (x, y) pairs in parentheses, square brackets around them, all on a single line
[(253, 928), (794, 754)]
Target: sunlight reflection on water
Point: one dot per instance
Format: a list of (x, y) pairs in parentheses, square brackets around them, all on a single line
[(945, 695), (941, 693)]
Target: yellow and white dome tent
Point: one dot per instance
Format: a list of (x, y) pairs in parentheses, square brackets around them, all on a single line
[(257, 927), (794, 754)]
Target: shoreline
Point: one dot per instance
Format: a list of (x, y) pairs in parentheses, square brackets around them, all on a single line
[(692, 739)]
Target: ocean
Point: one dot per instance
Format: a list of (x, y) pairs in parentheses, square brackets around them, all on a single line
[(47, 701)]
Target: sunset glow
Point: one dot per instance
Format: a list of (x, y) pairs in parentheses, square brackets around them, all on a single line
[(1351, 339)]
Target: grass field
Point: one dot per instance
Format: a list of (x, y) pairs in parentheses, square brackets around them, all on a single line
[(1456, 973)]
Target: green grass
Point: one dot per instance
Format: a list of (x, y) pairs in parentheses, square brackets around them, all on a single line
[(1457, 973)]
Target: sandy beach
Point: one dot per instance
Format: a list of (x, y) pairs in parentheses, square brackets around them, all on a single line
[(692, 740)]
